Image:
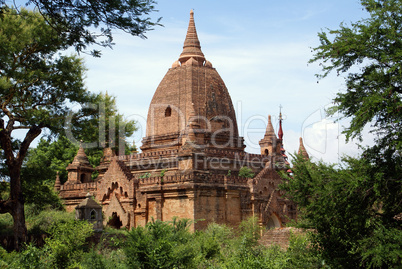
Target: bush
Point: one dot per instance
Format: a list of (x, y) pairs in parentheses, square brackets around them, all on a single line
[(163, 245), (63, 249), (104, 259), (6, 224), (42, 222), (246, 172), (302, 254), (160, 245), (30, 258), (67, 242)]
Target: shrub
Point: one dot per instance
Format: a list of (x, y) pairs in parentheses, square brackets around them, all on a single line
[(42, 222), (246, 172), (6, 224), (67, 242), (160, 245)]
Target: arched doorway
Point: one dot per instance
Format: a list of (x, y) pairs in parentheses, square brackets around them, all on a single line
[(273, 222), (115, 221)]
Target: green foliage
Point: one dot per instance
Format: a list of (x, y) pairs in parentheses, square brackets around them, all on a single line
[(108, 253), (104, 259), (104, 126), (162, 174), (164, 245), (244, 251), (246, 172), (146, 175), (382, 248), (40, 223), (301, 253), (369, 53), (213, 244), (346, 206), (30, 258), (3, 256), (37, 82), (50, 157), (93, 260), (39, 172), (160, 245), (75, 21), (66, 242), (354, 208), (38, 86), (223, 247), (63, 248), (6, 224)]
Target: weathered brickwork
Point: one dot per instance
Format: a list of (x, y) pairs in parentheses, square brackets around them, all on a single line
[(190, 161)]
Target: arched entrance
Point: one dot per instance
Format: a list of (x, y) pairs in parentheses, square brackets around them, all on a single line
[(115, 221), (273, 222)]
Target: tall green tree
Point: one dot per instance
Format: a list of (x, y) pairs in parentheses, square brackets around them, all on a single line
[(40, 168), (37, 87), (349, 208), (74, 21), (356, 209), (103, 125), (369, 54)]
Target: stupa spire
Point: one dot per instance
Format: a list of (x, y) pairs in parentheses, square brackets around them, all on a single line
[(192, 47), (81, 158), (270, 129), (280, 132), (57, 183), (302, 150)]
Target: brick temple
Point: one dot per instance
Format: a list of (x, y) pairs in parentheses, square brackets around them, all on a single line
[(190, 159)]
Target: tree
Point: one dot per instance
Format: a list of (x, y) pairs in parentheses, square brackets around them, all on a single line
[(348, 208), (40, 168), (37, 86), (105, 125), (74, 21), (369, 52), (374, 92), (355, 208)]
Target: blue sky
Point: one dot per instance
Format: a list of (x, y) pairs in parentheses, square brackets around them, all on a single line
[(260, 49)]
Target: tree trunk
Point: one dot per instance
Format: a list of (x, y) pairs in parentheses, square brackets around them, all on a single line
[(17, 210), (15, 203)]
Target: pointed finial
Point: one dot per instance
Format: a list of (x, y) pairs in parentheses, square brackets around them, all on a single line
[(270, 128), (302, 150), (192, 47), (57, 183), (280, 131), (81, 157)]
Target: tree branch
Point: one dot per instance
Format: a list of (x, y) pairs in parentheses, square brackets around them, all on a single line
[(6, 144), (5, 206), (33, 132), (21, 127)]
